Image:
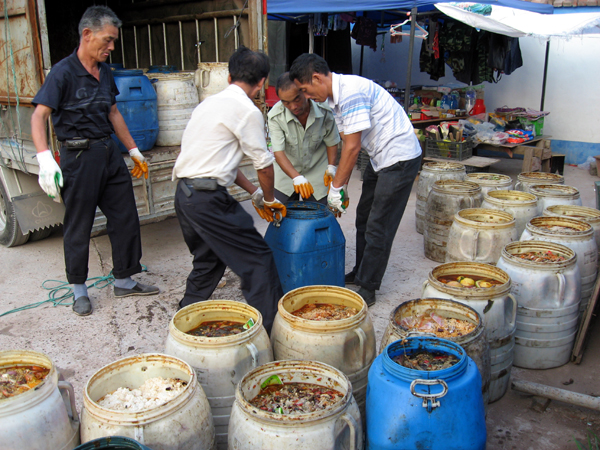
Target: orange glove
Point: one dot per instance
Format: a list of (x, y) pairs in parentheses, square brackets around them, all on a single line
[(141, 166), (275, 208), (259, 205), (303, 187)]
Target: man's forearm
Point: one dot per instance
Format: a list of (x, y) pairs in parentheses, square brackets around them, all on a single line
[(244, 182), (266, 178), (121, 129), (332, 155), (39, 118), (347, 163), (285, 164)]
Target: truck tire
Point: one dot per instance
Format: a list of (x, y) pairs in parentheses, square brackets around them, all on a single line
[(10, 231), (38, 235)]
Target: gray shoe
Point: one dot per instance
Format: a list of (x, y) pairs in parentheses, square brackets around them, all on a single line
[(138, 289), (82, 306), (367, 295)]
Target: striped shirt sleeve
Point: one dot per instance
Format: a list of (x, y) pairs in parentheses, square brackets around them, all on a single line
[(356, 112)]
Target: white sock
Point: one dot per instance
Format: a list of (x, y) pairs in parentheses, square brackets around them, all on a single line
[(80, 290)]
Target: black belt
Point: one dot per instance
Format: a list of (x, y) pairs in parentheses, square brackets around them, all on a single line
[(90, 141), (199, 184)]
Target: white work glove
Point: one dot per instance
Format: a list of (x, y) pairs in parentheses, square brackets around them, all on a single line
[(50, 176), (141, 166), (337, 199), (259, 205), (273, 209), (329, 175), (303, 187)]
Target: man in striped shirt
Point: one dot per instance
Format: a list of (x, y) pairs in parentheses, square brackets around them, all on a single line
[(368, 117)]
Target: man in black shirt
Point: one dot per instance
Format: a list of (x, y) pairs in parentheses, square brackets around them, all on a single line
[(79, 93)]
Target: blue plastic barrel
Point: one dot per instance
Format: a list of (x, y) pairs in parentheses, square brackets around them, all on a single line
[(113, 443), (162, 69), (309, 247), (137, 103), (418, 409), (116, 66)]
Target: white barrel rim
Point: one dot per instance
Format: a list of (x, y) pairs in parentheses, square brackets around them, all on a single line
[(337, 379), (212, 309), (543, 177), (471, 268), (580, 229), (482, 178), (454, 187), (149, 415), (326, 294), (477, 218), (443, 167), (583, 213), (555, 191), (510, 198), (510, 251)]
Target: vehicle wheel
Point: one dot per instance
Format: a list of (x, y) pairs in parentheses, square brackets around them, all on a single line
[(10, 231), (38, 235)]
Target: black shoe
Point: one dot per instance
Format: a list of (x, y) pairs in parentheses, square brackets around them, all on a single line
[(367, 295), (349, 278), (82, 306), (138, 289)]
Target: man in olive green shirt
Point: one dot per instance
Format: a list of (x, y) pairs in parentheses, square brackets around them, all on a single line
[(304, 140)]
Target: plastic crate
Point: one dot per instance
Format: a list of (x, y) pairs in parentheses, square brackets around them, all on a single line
[(449, 150)]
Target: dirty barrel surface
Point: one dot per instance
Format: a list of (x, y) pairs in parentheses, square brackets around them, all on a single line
[(479, 235), (337, 426), (219, 362), (430, 173), (555, 194), (474, 342), (527, 179), (184, 422), (410, 408), (491, 181), (38, 418), (583, 213), (495, 304), (523, 206), (347, 344)]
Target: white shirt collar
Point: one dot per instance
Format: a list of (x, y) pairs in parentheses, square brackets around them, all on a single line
[(335, 89)]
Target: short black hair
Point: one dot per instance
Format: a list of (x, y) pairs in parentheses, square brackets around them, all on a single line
[(283, 82), (305, 65), (96, 18), (248, 66)]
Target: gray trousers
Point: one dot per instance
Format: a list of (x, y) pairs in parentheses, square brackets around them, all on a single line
[(380, 208)]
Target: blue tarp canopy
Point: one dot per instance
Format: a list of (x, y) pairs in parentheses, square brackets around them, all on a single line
[(296, 8)]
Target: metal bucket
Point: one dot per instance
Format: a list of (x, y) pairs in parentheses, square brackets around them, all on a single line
[(521, 205), (430, 173), (475, 343), (479, 235), (527, 179), (444, 201), (491, 181), (219, 362)]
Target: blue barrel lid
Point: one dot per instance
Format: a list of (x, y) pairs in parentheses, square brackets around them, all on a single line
[(113, 443), (128, 72), (116, 66)]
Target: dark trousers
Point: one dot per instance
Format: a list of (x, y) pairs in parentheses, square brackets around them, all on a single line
[(378, 214), (296, 197), (98, 177), (219, 233)]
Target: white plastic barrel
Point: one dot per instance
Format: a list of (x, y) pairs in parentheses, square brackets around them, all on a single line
[(583, 213), (479, 235), (555, 194), (347, 344), (491, 181), (211, 78), (495, 304), (521, 205), (39, 418), (176, 97), (430, 173), (219, 362), (336, 427), (527, 179), (182, 423), (579, 237)]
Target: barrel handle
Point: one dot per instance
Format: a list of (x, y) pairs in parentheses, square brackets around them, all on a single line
[(513, 321), (561, 289), (254, 352), (202, 71), (353, 426), (425, 284), (475, 246), (138, 434), (517, 186), (362, 339), (430, 401), (65, 385)]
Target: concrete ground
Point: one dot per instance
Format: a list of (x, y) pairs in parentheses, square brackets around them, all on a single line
[(80, 346)]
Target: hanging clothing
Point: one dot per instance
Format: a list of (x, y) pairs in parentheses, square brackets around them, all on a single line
[(365, 32)]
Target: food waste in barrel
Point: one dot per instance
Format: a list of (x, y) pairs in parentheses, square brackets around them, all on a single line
[(220, 328), (152, 393), (15, 380), (542, 257), (430, 322), (425, 360), (470, 281), (325, 311)]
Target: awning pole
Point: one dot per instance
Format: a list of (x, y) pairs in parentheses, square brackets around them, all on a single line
[(413, 21), (545, 75), (362, 53)]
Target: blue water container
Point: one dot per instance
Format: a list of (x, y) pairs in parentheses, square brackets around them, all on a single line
[(418, 409), (112, 443), (137, 103), (309, 247), (162, 69)]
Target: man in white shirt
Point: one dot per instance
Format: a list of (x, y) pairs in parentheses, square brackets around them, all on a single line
[(304, 140), (217, 230), (368, 117)]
